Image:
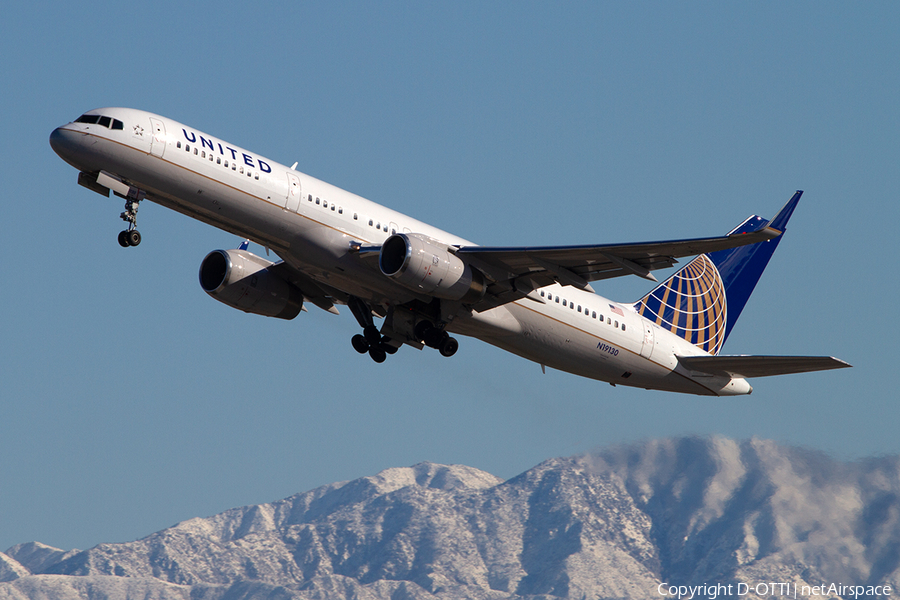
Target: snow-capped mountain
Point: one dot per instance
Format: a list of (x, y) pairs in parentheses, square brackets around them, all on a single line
[(617, 523)]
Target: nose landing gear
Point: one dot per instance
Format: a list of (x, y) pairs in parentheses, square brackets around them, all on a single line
[(131, 236)]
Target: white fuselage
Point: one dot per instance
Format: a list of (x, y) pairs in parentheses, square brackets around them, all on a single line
[(311, 224)]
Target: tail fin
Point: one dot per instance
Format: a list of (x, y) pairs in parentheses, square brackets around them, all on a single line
[(702, 302)]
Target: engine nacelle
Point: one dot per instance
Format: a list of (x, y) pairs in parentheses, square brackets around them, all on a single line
[(424, 265), (242, 280)]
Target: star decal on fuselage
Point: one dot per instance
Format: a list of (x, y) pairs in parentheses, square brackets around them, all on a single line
[(138, 130)]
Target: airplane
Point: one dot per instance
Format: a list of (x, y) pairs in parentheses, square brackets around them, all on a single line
[(339, 249)]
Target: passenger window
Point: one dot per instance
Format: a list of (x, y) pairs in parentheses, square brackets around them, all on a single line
[(317, 201), (104, 122), (233, 166), (594, 315), (195, 152), (219, 160), (355, 217), (226, 164), (579, 308), (242, 170), (564, 303), (370, 222), (385, 228), (325, 204), (210, 156), (332, 208), (340, 211), (203, 154), (557, 299), (623, 326), (256, 176), (187, 147), (178, 145), (617, 324), (542, 293)]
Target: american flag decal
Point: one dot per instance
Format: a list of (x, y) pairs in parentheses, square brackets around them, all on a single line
[(691, 304)]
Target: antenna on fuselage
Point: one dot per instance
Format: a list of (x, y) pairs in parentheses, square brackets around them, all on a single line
[(294, 167)]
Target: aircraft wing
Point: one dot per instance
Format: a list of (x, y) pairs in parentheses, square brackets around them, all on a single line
[(515, 272), (760, 366)]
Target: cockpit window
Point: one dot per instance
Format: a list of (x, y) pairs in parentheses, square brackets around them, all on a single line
[(108, 122)]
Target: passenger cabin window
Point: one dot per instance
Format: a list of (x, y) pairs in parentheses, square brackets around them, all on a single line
[(178, 145)]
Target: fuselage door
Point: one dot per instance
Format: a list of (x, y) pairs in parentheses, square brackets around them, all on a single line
[(647, 344), (158, 139), (294, 193)]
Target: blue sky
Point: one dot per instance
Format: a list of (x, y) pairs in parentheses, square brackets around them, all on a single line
[(131, 400)]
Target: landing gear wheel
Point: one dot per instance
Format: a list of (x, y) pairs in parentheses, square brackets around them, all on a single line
[(377, 354), (387, 347), (434, 337), (372, 335), (122, 240), (133, 237), (422, 329), (359, 344), (449, 346)]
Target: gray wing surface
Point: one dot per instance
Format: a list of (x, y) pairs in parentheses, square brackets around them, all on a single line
[(760, 366), (514, 272)]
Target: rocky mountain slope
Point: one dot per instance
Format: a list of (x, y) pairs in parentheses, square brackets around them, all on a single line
[(613, 524)]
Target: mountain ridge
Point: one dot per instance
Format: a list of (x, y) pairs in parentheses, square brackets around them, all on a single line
[(614, 523)]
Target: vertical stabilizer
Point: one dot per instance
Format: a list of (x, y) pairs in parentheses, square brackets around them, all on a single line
[(702, 302)]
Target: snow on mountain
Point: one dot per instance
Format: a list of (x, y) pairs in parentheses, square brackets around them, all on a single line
[(613, 524)]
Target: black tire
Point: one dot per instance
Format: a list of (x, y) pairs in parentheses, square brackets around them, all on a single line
[(434, 337), (449, 347), (123, 241), (133, 237), (372, 335), (359, 344), (422, 329), (388, 348), (377, 354)]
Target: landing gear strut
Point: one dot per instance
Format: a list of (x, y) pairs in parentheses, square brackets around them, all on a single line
[(131, 236), (371, 340)]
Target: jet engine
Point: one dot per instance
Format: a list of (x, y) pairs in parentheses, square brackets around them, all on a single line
[(244, 281), (425, 265)]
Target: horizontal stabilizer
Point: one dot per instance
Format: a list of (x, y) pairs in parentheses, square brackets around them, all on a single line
[(760, 366)]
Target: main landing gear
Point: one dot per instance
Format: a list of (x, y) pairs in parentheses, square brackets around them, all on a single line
[(379, 346), (436, 337), (131, 236), (371, 340)]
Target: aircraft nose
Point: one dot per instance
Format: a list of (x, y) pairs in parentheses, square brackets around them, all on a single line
[(65, 143)]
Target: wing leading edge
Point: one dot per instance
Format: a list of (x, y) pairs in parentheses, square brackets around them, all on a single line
[(760, 366), (515, 272)]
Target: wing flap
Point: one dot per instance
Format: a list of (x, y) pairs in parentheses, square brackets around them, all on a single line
[(760, 366)]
